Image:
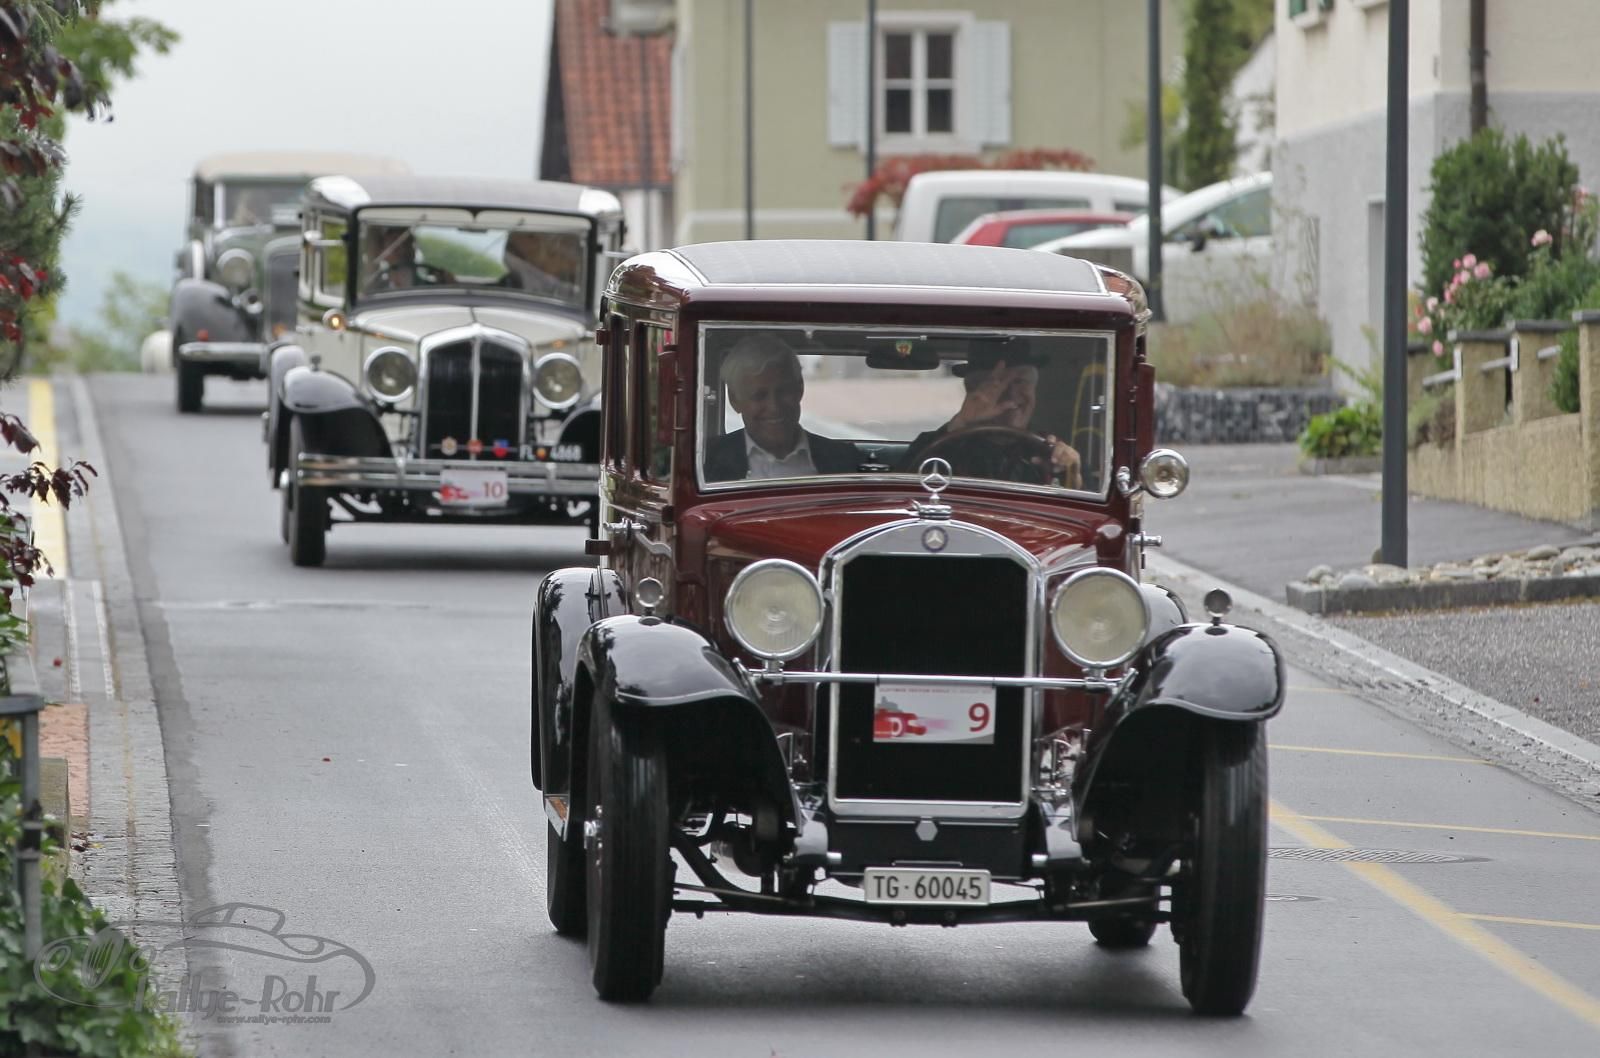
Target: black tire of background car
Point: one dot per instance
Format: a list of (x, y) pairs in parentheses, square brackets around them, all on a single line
[(191, 382), (286, 509), (308, 517), (1121, 931), (628, 866), (1223, 891)]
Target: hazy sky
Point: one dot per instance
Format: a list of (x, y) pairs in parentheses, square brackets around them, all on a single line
[(454, 87)]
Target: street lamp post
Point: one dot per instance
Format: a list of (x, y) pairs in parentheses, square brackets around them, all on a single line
[(1394, 292), (872, 111), (1153, 138), (749, 121)]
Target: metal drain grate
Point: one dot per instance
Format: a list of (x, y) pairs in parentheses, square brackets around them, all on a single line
[(1367, 856)]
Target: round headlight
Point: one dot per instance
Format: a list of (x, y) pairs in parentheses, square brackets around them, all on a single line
[(557, 381), (1164, 473), (1100, 617), (390, 373), (774, 609), (237, 269)]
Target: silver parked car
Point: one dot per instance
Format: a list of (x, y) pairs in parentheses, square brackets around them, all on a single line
[(444, 366)]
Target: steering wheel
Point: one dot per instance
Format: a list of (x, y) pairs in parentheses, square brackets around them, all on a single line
[(1001, 452)]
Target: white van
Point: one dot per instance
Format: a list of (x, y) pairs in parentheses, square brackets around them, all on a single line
[(1217, 243), (938, 205)]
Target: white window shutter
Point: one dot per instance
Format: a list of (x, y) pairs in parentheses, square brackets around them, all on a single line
[(990, 83), (847, 84)]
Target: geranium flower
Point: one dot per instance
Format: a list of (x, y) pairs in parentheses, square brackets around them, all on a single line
[(1438, 348), (1433, 304), (1469, 260), (1482, 271), (1542, 238), (1424, 326), (1456, 263), (1463, 276)]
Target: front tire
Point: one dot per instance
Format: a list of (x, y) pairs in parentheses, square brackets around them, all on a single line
[(629, 868), (306, 509), (191, 382), (1223, 887)]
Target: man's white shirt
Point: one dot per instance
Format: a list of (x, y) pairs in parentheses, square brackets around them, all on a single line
[(763, 464)]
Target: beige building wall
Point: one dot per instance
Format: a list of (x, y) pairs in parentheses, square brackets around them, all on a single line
[(1076, 67)]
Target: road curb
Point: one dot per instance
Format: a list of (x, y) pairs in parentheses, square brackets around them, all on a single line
[(1439, 595), (131, 874), (1540, 749)]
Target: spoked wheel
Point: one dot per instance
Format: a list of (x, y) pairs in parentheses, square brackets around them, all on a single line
[(1124, 929), (306, 509), (1221, 893), (629, 869)]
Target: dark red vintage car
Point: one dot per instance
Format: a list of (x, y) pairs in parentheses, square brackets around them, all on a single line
[(868, 610)]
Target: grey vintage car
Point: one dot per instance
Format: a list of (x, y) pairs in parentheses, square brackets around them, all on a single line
[(235, 285), (444, 367)]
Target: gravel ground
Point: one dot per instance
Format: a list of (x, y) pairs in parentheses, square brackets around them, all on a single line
[(1551, 672)]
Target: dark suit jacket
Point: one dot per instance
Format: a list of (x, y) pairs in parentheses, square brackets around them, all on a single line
[(726, 459)]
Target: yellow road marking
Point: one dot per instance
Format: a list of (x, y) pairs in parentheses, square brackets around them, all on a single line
[(1380, 753), (1452, 923), (49, 527), (1453, 826), (1509, 920)]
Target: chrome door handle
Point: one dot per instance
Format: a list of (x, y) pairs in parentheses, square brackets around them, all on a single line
[(1147, 539), (626, 527)]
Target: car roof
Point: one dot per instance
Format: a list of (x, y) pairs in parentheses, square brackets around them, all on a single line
[(358, 192), (293, 164), (830, 262)]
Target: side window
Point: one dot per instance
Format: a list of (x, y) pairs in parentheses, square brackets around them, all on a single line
[(204, 203), (1247, 217), (335, 259), (655, 404), (615, 382)]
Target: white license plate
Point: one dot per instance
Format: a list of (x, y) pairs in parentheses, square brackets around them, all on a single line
[(473, 487), (918, 714), (938, 888)]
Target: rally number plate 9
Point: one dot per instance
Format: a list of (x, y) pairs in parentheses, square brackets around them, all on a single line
[(935, 888)]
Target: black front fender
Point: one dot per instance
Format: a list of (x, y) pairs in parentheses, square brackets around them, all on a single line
[(334, 418), (280, 360), (672, 679), (568, 602), (1192, 675), (199, 305)]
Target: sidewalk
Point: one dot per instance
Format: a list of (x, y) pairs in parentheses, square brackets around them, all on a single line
[(1251, 518)]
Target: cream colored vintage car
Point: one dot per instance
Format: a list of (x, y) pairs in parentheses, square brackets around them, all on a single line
[(443, 367)]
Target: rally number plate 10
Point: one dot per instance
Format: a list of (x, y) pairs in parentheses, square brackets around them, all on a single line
[(935, 888)]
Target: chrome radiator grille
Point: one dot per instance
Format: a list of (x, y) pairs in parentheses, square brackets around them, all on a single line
[(473, 390), (948, 615)]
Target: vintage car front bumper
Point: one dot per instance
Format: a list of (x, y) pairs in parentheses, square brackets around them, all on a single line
[(523, 477), (233, 354)]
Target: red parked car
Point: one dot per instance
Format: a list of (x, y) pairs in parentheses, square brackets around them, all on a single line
[(1025, 228), (868, 610)]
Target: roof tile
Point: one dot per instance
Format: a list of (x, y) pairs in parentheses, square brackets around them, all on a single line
[(611, 86)]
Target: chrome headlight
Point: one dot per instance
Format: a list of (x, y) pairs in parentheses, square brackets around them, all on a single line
[(1164, 473), (557, 381), (236, 268), (390, 372), (774, 609), (1100, 617)]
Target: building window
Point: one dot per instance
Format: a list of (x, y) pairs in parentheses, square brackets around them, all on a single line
[(918, 92)]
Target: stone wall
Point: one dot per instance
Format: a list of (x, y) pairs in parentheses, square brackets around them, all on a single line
[(1513, 450), (1237, 416)]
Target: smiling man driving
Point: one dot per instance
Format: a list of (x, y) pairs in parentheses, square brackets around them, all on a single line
[(765, 386)]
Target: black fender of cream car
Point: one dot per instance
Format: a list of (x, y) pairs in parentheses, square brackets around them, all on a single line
[(671, 681), (1193, 675), (200, 306), (280, 358), (335, 419)]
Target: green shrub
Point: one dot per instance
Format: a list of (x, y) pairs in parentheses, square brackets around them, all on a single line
[(1564, 388), (1553, 287), (1354, 430), (1488, 197)]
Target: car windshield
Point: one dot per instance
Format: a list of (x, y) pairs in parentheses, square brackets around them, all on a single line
[(791, 402), (249, 202), (525, 258), (1023, 236)]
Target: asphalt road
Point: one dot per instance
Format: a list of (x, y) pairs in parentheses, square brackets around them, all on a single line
[(349, 745)]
